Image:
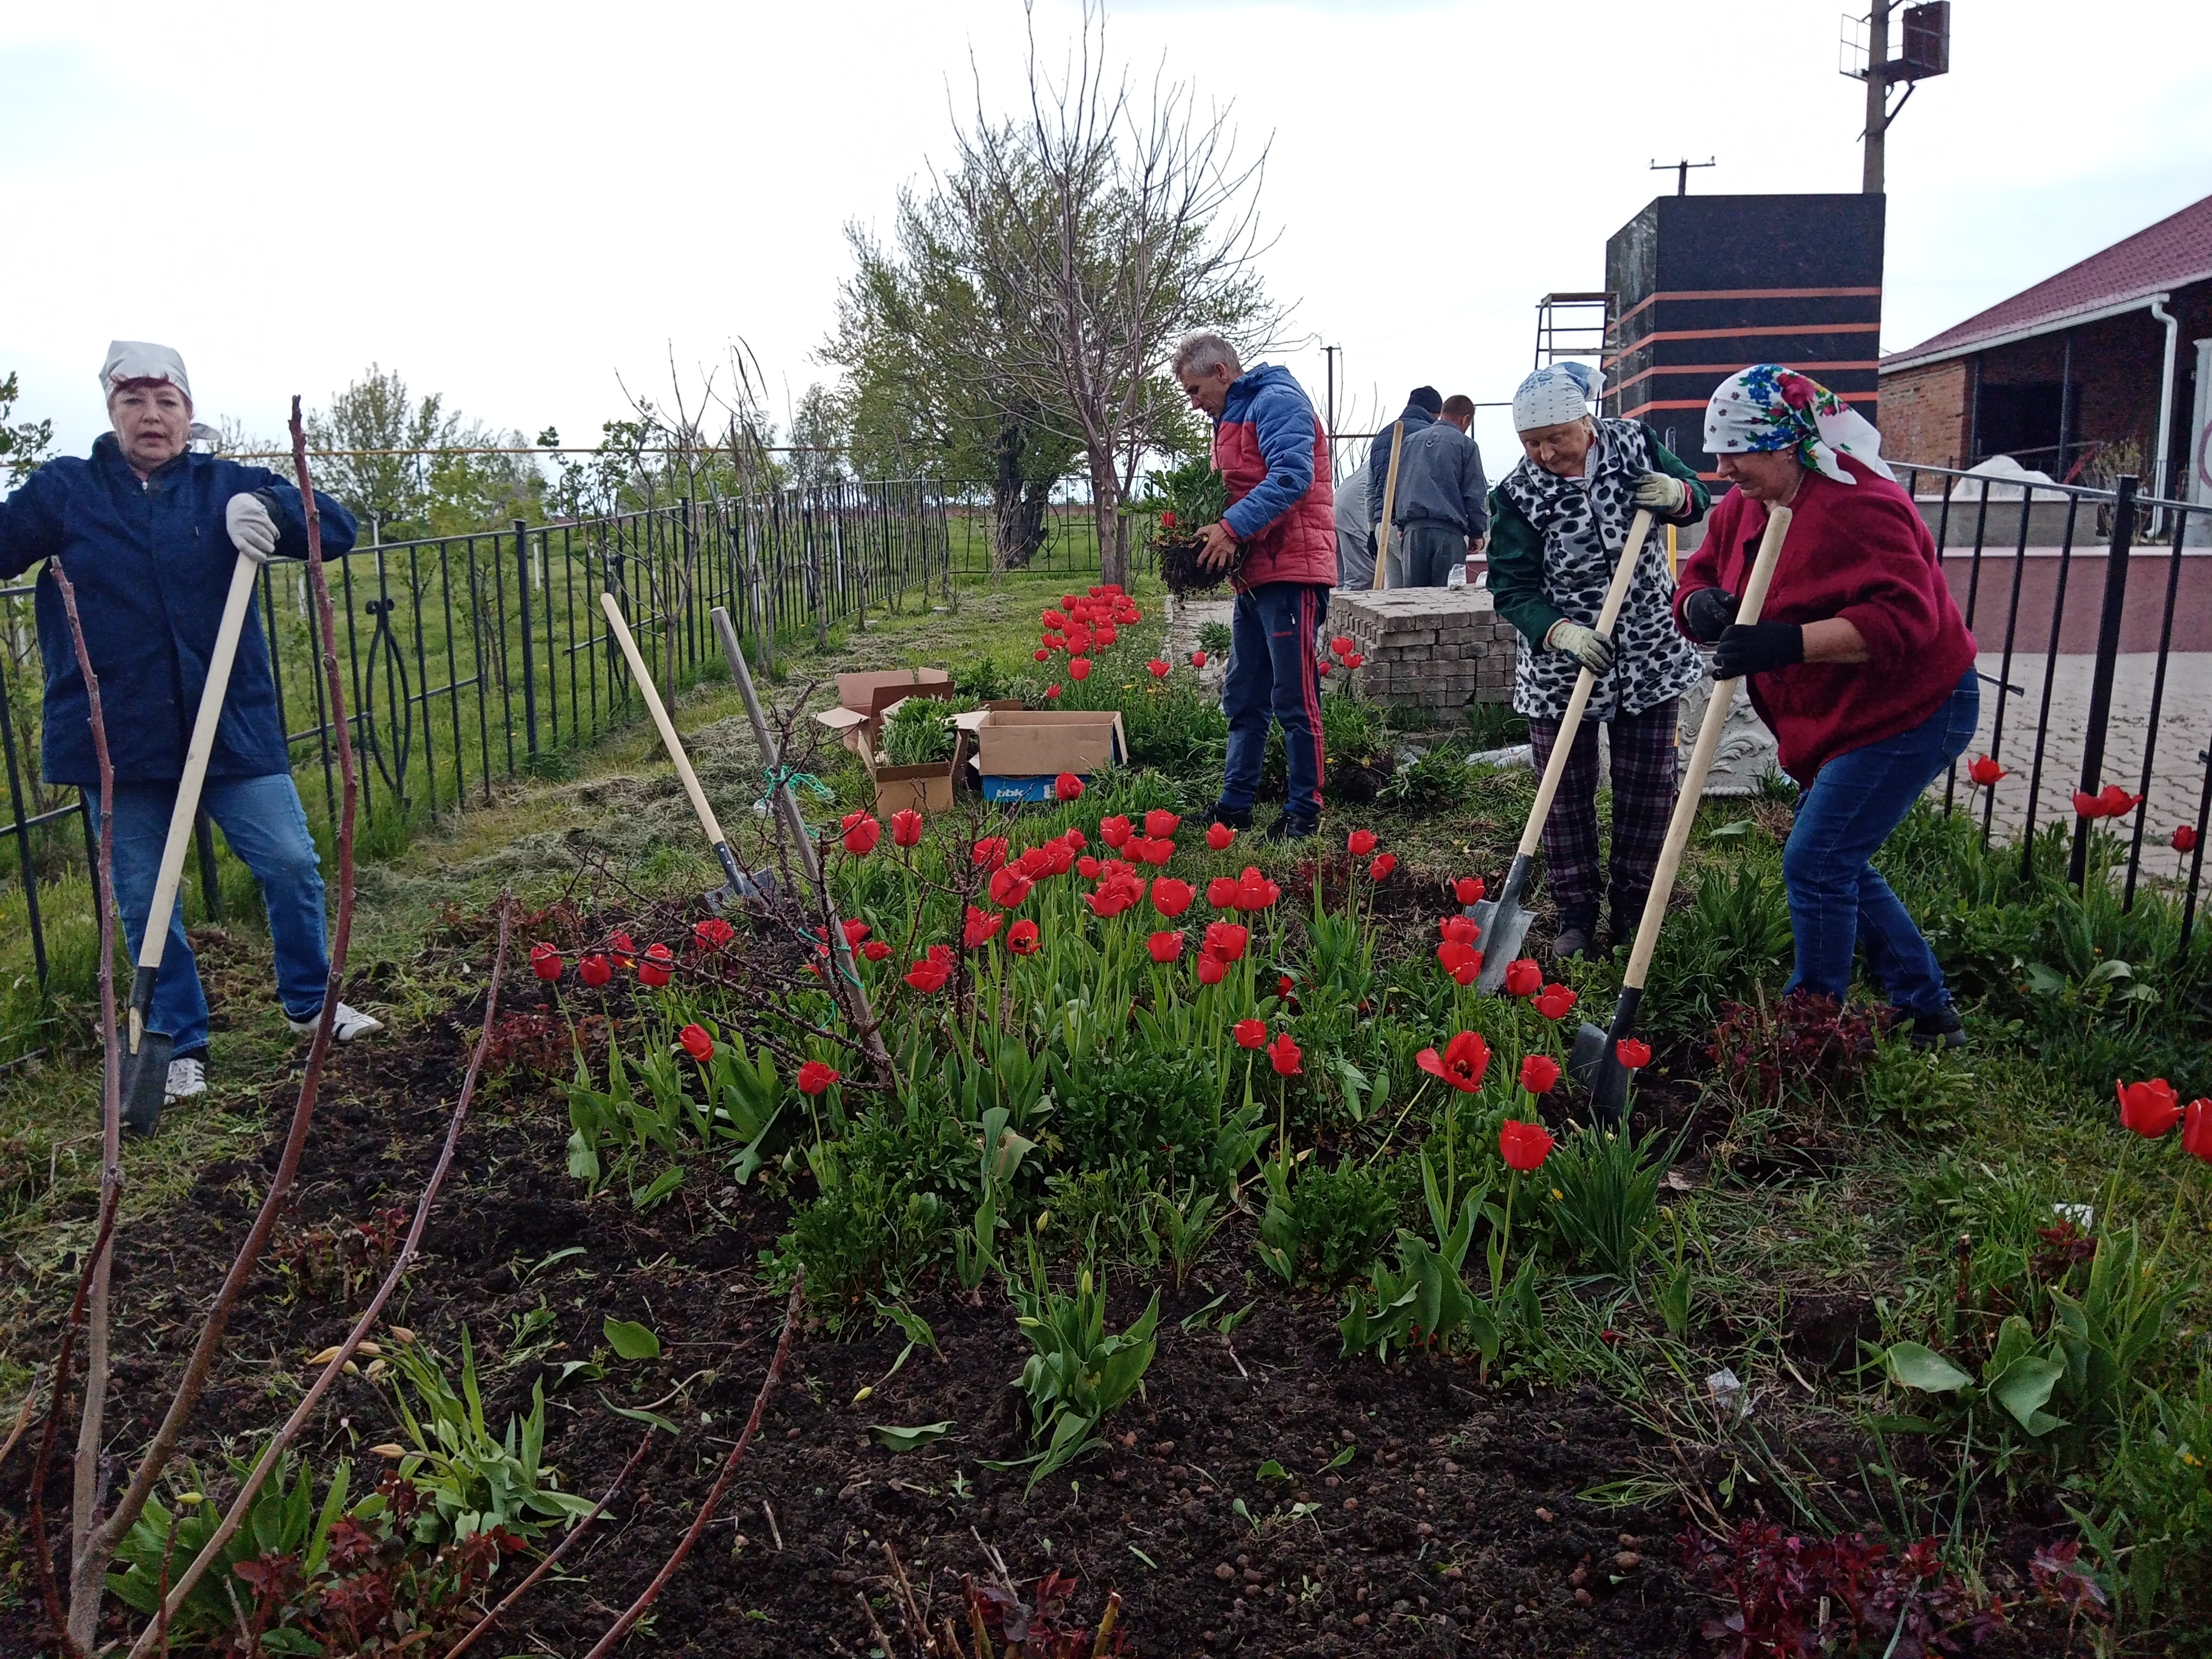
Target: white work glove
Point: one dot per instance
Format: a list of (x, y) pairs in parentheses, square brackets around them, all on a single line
[(1585, 645), (253, 531), (1662, 493)]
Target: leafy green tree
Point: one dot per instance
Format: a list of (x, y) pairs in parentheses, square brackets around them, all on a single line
[(23, 446), (409, 466)]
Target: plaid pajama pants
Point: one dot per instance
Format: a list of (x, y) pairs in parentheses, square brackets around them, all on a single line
[(1642, 800)]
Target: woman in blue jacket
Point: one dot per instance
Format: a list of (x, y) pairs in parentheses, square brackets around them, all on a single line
[(148, 532)]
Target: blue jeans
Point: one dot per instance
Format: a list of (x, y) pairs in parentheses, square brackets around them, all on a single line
[(1272, 674), (1837, 899), (267, 829)]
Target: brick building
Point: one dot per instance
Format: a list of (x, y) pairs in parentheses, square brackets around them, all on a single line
[(2074, 377)]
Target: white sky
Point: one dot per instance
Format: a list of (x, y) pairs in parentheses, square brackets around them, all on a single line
[(511, 205)]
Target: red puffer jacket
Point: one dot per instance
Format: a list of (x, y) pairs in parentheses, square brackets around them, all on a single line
[(1274, 456)]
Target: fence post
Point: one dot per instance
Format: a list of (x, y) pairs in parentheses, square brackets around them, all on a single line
[(2108, 652), (529, 668), (24, 859)]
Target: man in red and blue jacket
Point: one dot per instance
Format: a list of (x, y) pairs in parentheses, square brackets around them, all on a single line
[(1280, 528)]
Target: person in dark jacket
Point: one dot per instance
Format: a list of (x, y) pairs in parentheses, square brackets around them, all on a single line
[(1439, 511), (1559, 521), (1280, 527), (1860, 664), (1423, 405), (148, 532)]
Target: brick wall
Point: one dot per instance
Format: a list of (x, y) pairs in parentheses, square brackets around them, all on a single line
[(1923, 413), (1428, 647)]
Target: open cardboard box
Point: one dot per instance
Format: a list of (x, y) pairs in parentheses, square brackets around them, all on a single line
[(1019, 752), (923, 789), (864, 699)]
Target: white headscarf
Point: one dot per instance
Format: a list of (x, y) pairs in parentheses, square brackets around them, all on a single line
[(1767, 408), (141, 360), (1555, 395)]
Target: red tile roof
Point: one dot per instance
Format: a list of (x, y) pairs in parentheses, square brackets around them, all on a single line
[(2174, 251)]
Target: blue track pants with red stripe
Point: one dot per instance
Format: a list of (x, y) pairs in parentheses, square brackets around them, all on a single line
[(1272, 675)]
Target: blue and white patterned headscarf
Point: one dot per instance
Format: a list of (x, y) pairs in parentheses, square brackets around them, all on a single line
[(1556, 394), (1768, 408)]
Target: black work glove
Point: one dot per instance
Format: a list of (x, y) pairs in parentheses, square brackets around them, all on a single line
[(1757, 648), (1707, 612)]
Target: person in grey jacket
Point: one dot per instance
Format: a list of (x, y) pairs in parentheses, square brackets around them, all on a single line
[(1355, 536), (1439, 510), (1423, 405)]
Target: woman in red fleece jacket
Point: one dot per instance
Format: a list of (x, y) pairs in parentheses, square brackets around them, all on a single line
[(1861, 666)]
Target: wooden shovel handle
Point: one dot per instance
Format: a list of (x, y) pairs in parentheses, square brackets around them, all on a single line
[(1389, 505), (669, 740), (1692, 784), (1616, 595)]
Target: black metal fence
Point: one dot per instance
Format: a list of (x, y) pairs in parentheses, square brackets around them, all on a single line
[(470, 661), (2093, 609)]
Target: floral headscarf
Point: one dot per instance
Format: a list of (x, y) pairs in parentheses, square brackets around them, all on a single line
[(1767, 407)]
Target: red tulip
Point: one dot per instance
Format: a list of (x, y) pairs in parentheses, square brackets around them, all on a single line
[(1112, 898), (1322, 667), (1212, 969), (1226, 939), (875, 949), (1088, 868), (1053, 619), (1354, 660), (1255, 891), (713, 934), (1361, 841), (1159, 670), (1343, 645), (1219, 836), (814, 1077), (2117, 802), (1198, 660), (2197, 1130), (545, 962), (1042, 654), (1078, 668), (1165, 947), (1524, 1147), (1284, 1055), (1107, 634), (696, 1043), (1985, 771), (1462, 1063), (1250, 1033), (1009, 888), (1461, 962), (1381, 868), (1161, 823), (2184, 838), (1468, 890), (906, 827), (861, 834), (1524, 978), (624, 950), (1067, 787), (1022, 938), (595, 970), (928, 975), (657, 967), (1052, 694), (1540, 1074), (1554, 1000), (854, 930), (1074, 840), (1221, 892), (2149, 1108), (1115, 830), (1171, 897), (1168, 519), (1632, 1053), (983, 927), (1457, 930)]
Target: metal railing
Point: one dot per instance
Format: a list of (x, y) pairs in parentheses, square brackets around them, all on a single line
[(470, 661), (2093, 612)]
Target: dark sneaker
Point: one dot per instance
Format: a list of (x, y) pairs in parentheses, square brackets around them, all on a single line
[(1291, 827), (1938, 1030), (1571, 942), (1237, 817)]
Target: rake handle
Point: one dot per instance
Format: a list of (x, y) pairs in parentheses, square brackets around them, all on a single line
[(669, 740), (1616, 595), (1691, 788)]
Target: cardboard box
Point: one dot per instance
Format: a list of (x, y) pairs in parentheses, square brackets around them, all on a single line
[(1018, 752), (864, 699), (924, 789)]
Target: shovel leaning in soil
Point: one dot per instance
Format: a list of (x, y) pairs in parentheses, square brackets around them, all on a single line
[(1594, 1059), (1503, 920), (146, 1054), (737, 884), (1389, 506)]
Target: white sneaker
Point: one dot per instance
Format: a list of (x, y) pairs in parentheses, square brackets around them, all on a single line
[(349, 1023), (187, 1078)]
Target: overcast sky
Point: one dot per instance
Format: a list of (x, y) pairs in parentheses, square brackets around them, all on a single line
[(511, 205)]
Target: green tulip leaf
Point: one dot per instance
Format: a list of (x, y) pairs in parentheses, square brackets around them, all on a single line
[(899, 1438), (1924, 1369), (2025, 1388), (631, 1341)]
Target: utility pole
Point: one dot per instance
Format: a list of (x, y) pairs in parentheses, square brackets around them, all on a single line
[(1330, 352), (1877, 96), (1681, 170)]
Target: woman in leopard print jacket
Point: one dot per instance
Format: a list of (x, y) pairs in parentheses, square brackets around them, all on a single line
[(1558, 522)]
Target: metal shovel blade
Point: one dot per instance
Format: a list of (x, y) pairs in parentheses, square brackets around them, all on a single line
[(1593, 1063), (742, 886), (1503, 925), (145, 1080)]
